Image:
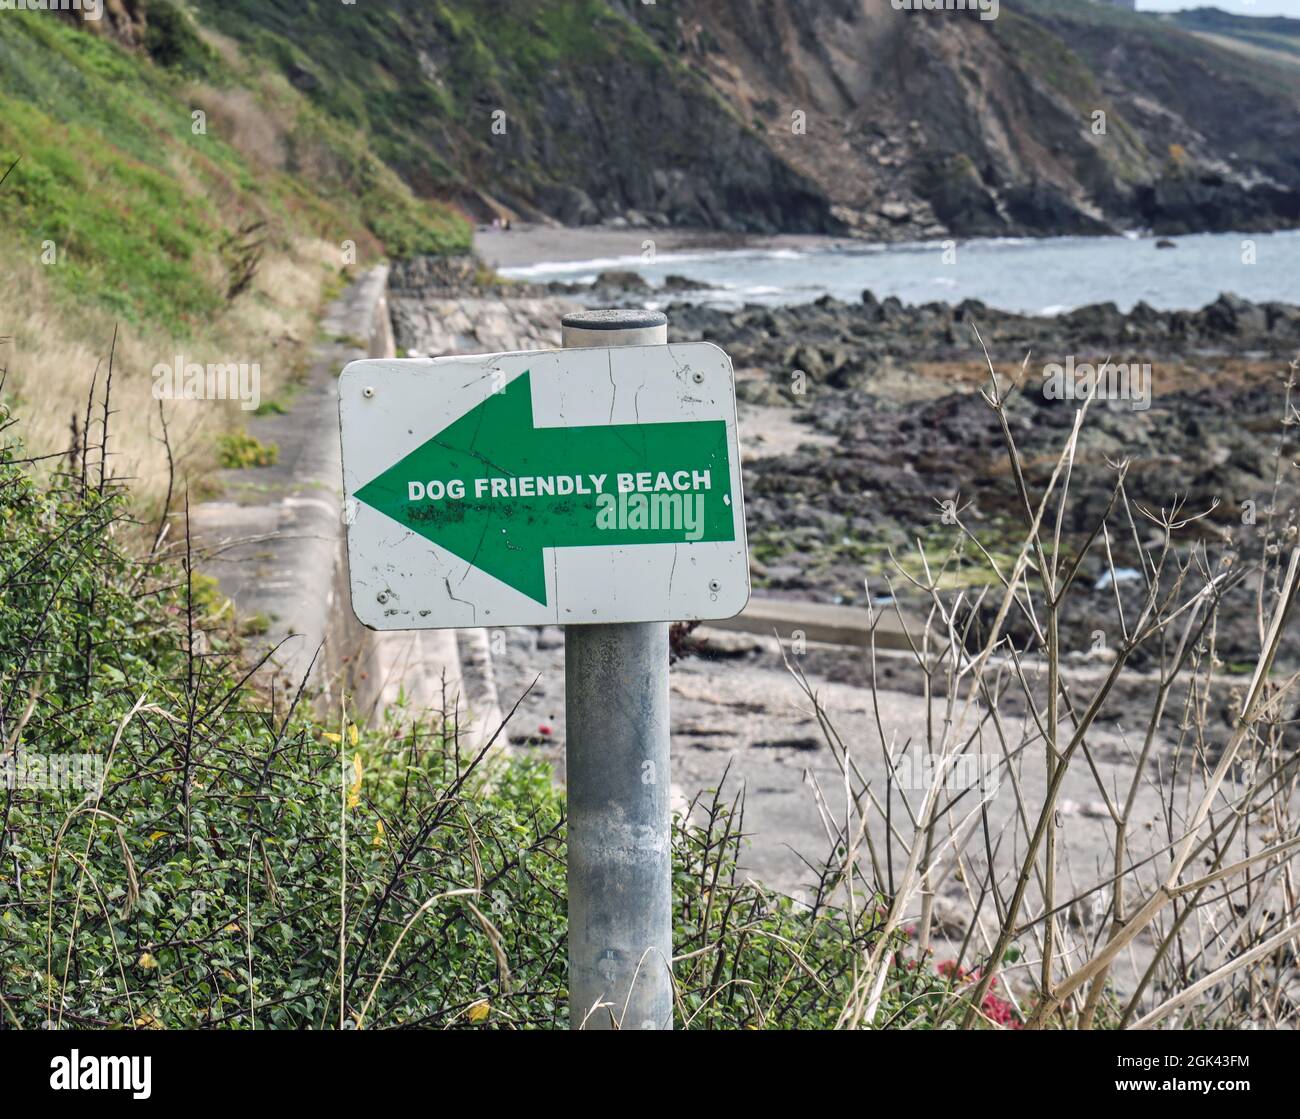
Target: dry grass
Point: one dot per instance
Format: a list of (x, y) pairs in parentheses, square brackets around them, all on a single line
[(252, 126), (1190, 914), (57, 349)]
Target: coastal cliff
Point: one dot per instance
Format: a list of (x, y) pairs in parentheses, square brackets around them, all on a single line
[(805, 115)]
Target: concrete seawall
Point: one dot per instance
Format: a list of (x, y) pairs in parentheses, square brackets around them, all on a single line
[(275, 543)]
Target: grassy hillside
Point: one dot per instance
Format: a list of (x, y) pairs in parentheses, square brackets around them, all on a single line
[(214, 235), (415, 76), (112, 165)]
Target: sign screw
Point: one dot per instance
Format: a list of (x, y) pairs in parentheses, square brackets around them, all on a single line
[(368, 392), (698, 377)]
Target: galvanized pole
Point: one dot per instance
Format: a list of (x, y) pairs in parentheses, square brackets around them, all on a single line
[(616, 715)]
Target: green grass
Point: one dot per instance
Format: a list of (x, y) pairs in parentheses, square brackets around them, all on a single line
[(422, 77), (139, 206), (1091, 29), (86, 123), (126, 234), (238, 451)]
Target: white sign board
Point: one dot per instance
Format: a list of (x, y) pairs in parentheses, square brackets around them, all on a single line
[(561, 486)]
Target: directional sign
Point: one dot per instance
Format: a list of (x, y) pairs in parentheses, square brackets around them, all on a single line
[(566, 486)]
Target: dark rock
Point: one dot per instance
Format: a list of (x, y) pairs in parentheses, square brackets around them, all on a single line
[(622, 281), (1180, 204), (759, 392), (960, 199), (569, 204), (969, 309), (1230, 314), (683, 283), (898, 455), (1040, 207)]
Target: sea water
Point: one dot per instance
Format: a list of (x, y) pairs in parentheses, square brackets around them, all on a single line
[(1033, 276)]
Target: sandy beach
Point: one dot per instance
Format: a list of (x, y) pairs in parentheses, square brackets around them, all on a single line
[(526, 245)]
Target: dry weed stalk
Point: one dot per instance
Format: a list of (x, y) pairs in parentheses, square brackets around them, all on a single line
[(1213, 899)]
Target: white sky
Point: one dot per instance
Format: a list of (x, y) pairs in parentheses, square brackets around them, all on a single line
[(1240, 7)]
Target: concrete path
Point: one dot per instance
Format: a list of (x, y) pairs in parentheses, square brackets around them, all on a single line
[(274, 541), (835, 625)]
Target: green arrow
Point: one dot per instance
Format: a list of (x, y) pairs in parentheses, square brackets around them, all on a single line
[(508, 513)]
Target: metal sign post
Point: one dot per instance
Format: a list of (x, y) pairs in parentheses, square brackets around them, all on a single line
[(618, 778), (595, 487)]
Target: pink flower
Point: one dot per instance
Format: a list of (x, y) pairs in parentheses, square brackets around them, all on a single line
[(1000, 1011)]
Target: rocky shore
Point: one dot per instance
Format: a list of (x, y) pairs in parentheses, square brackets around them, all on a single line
[(890, 393), (864, 427)]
